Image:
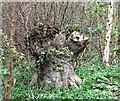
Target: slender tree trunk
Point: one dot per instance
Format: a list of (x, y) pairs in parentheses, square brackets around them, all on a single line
[(118, 41), (10, 63), (106, 56)]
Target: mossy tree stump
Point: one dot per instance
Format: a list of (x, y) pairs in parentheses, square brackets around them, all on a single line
[(50, 47)]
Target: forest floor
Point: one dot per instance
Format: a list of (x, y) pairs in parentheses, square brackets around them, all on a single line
[(99, 82)]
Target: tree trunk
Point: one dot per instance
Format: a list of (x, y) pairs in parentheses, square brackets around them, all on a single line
[(108, 33), (53, 64), (118, 42), (61, 73), (58, 72), (10, 63)]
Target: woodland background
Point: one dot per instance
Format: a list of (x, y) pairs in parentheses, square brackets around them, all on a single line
[(100, 81)]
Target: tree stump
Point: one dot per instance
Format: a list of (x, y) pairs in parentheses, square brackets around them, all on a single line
[(59, 71)]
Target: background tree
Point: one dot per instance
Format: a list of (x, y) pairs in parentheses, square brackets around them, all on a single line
[(118, 28), (11, 46), (108, 34)]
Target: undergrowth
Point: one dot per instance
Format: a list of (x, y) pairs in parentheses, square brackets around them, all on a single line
[(99, 82)]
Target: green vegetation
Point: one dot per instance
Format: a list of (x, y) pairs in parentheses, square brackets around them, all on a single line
[(74, 27), (99, 82)]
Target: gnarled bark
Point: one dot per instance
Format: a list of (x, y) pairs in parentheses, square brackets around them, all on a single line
[(59, 71)]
